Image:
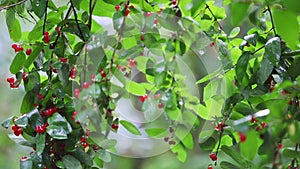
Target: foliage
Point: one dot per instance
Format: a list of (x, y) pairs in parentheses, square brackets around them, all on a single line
[(74, 74)]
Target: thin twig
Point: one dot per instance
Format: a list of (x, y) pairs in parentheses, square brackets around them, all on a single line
[(215, 18), (45, 17), (92, 6), (257, 50), (293, 53), (12, 5), (271, 17), (76, 20)]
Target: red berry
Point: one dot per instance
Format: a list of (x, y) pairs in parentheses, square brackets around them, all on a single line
[(172, 142), (24, 158), (24, 76), (271, 88), (103, 73), (147, 14), (17, 47), (160, 105), (117, 7), (213, 157), (219, 126), (93, 77), (64, 60), (155, 21), (46, 37), (127, 11), (258, 128), (115, 126), (10, 80), (157, 96), (247, 44), (28, 51), (142, 38), (40, 96), (74, 115), (160, 11), (58, 31), (17, 130), (174, 2), (212, 44), (253, 120), (242, 137), (76, 93), (263, 124), (280, 146), (290, 102), (73, 73), (210, 167), (144, 98), (86, 85), (166, 139), (131, 62), (95, 147)]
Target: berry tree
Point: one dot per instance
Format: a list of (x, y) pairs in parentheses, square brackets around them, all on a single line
[(220, 75)]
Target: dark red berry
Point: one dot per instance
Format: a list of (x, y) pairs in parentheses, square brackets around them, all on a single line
[(46, 37), (155, 21), (17, 130), (86, 85), (212, 44), (166, 139), (73, 73), (64, 60), (40, 96), (242, 137), (28, 51), (160, 105), (17, 47), (76, 93), (117, 7), (271, 88), (127, 11), (10, 80), (102, 72), (24, 158), (144, 98), (174, 2), (263, 124), (253, 120), (131, 62), (58, 31), (213, 157), (210, 167), (115, 126), (172, 142), (219, 126), (280, 146)]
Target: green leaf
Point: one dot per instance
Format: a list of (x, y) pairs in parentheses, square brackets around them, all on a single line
[(32, 81), (71, 162), (241, 68), (234, 32), (239, 12), (39, 7), (63, 74), (181, 152), (58, 127), (130, 127), (83, 157), (135, 88), (174, 114), (104, 155), (208, 144), (155, 132), (291, 153), (271, 59), (17, 63), (225, 141), (249, 148), (228, 165), (27, 103), (40, 143), (188, 141), (26, 164), (236, 156), (22, 121), (6, 123), (107, 143), (289, 31)]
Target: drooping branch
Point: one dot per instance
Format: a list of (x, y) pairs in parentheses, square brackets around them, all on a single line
[(214, 16), (76, 19), (12, 5)]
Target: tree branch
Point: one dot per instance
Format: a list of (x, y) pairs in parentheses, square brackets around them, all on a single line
[(76, 20), (12, 5), (293, 53), (271, 17), (215, 18), (92, 6), (45, 17)]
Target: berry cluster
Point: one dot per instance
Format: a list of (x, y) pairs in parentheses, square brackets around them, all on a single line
[(17, 47), (50, 111), (84, 142), (73, 73), (41, 128), (13, 83), (144, 98), (17, 130)]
